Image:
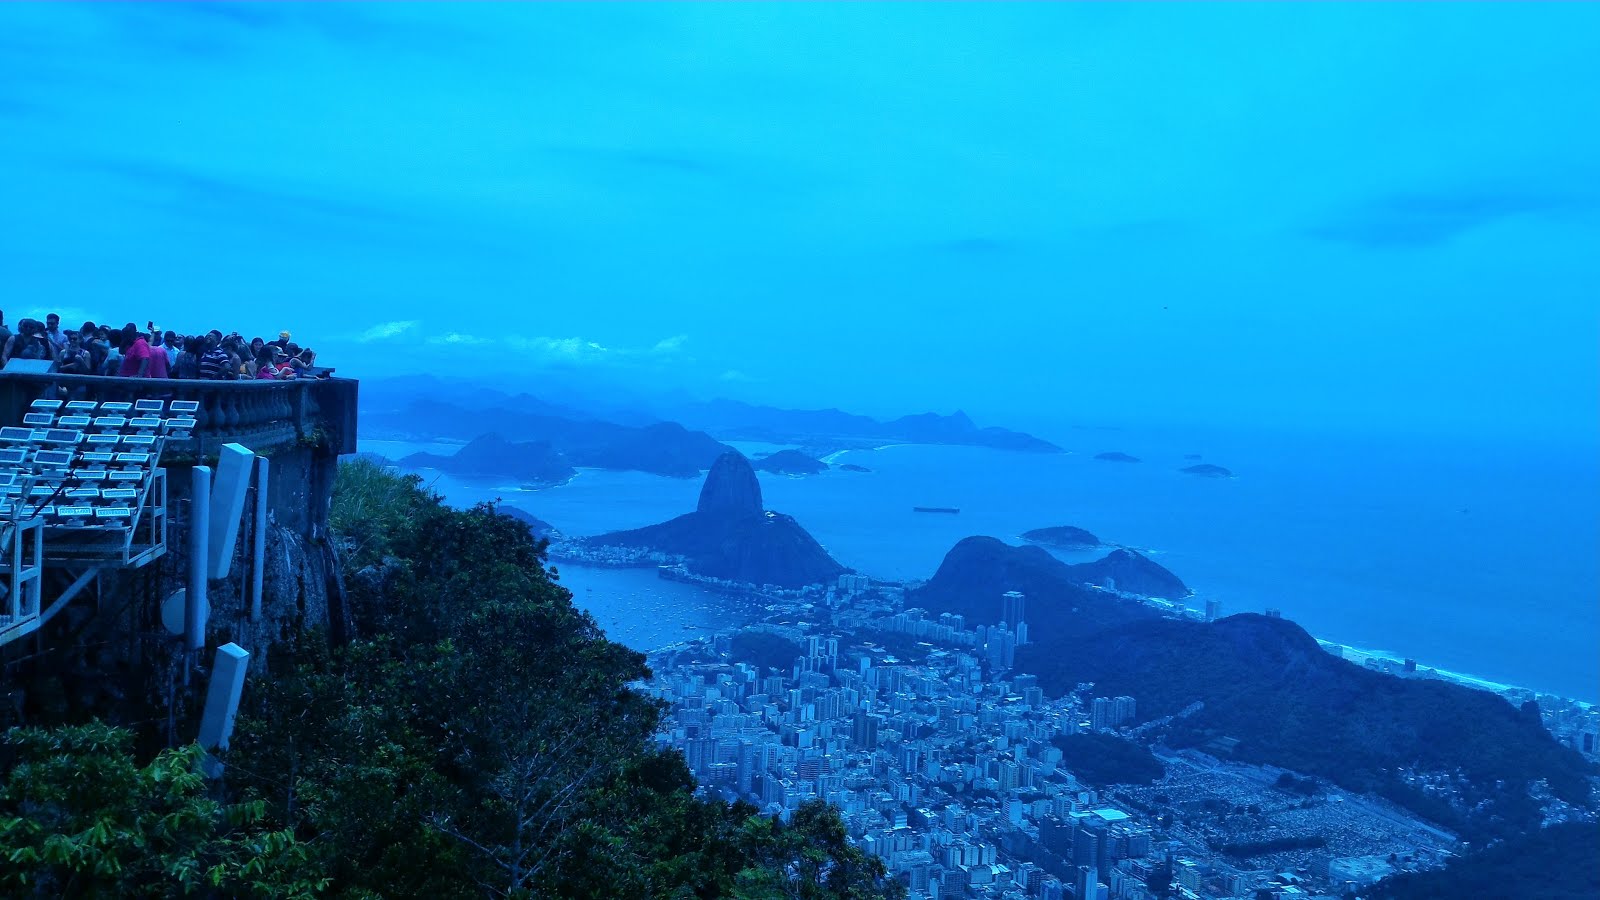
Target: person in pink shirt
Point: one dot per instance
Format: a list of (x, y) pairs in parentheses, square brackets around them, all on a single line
[(136, 355)]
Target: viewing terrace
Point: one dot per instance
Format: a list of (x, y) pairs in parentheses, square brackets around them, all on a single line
[(84, 471)]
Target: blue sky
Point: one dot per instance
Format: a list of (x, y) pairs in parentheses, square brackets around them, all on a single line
[(1369, 216)]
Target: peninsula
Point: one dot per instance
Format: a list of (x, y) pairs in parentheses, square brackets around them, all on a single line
[(730, 535)]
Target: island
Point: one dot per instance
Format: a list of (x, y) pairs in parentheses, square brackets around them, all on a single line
[(731, 536), (1064, 537), (1116, 456), (852, 467), (790, 462), (492, 456), (1191, 456), (1206, 470)]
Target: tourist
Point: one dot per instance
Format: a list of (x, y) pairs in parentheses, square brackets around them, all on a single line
[(268, 366), (112, 364), (74, 359), (135, 353), (29, 342), (5, 333), (187, 363), (215, 364), (282, 341), (173, 344), (53, 332), (158, 357)]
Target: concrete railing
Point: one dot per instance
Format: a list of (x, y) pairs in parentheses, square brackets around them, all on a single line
[(262, 415)]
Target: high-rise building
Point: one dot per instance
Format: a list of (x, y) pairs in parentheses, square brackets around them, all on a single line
[(1013, 605), (1102, 714), (864, 731), (1274, 613), (1124, 710), (1213, 610)]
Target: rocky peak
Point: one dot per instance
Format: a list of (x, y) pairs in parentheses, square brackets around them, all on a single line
[(731, 490)]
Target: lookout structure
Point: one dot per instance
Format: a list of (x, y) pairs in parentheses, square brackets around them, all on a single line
[(137, 517)]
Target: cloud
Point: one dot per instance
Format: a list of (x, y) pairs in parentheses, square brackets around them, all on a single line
[(386, 330), (457, 339), (734, 376), (1426, 218), (668, 346)]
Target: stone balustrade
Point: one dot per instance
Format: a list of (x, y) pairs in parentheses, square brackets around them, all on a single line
[(263, 415)]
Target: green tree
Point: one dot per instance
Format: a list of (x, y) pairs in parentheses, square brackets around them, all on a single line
[(79, 817)]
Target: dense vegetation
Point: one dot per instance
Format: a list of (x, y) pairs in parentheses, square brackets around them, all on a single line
[(1267, 683), (1555, 863), (1106, 759), (479, 739), (765, 650)]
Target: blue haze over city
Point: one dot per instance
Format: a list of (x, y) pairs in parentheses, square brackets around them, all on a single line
[(1347, 252)]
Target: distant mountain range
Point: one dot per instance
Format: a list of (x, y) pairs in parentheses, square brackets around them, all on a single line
[(535, 462), (643, 439), (1265, 683), (730, 535), (664, 448), (733, 420)]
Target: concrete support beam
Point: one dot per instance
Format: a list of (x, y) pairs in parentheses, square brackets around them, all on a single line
[(222, 696), (234, 464)]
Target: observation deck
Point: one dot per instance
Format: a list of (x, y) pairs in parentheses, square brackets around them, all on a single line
[(84, 466)]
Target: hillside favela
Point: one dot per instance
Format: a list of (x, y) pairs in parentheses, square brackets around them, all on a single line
[(956, 451)]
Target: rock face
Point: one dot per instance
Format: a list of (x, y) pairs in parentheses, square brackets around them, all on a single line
[(1132, 573), (1064, 536), (1206, 470), (731, 490), (493, 455), (730, 536), (1116, 456), (790, 462)]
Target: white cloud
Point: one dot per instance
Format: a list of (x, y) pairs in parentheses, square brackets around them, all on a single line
[(669, 345), (386, 330), (456, 338), (734, 375)]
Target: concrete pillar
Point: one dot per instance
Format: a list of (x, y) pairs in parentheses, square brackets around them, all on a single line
[(196, 607), (222, 696), (258, 544), (227, 506)]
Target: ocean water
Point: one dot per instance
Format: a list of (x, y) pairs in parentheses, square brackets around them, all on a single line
[(1473, 558)]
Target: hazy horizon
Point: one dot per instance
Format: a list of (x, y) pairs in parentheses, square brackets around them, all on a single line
[(1375, 219)]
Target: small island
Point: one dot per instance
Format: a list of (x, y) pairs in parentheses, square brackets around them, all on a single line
[(852, 467), (1206, 470), (1191, 456), (1065, 537), (789, 462), (1116, 456)]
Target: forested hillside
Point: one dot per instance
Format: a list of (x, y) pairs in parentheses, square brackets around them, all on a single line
[(477, 739)]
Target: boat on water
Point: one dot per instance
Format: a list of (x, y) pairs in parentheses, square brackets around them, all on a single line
[(936, 509)]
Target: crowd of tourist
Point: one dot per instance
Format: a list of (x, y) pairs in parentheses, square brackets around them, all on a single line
[(130, 352)]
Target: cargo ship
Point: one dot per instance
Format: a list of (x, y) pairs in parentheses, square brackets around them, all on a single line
[(936, 509)]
